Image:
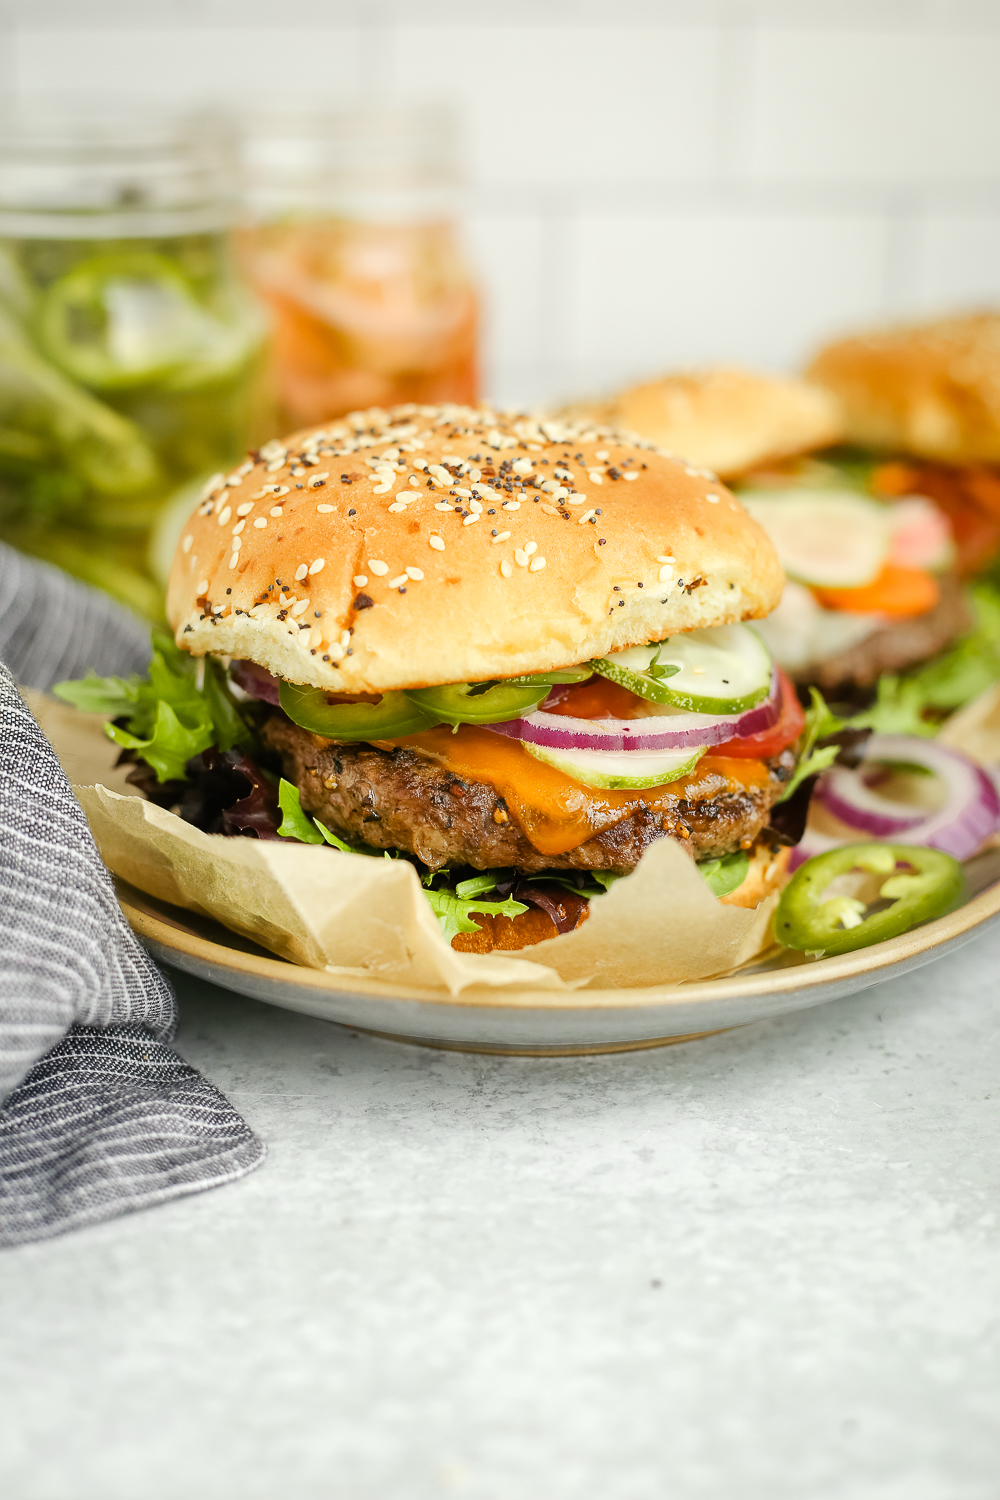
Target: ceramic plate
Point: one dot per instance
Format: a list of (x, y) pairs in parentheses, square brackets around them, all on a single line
[(538, 1021)]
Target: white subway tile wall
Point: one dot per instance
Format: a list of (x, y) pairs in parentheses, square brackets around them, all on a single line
[(650, 183), (728, 284)]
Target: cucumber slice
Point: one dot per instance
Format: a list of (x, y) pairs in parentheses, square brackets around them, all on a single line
[(722, 670), (619, 770), (829, 538)]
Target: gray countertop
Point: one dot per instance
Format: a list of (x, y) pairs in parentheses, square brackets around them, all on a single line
[(760, 1265)]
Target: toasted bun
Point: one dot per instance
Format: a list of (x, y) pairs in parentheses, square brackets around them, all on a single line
[(768, 872), (729, 420), (506, 934), (311, 564), (929, 389)]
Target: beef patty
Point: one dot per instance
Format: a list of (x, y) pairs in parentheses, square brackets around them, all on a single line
[(893, 648), (397, 799)]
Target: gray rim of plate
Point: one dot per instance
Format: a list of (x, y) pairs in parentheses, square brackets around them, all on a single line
[(542, 1022)]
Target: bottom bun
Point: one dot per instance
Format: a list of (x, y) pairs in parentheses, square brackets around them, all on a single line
[(507, 933), (768, 872)]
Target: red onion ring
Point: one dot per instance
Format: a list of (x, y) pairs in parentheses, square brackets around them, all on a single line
[(847, 795), (255, 681), (971, 810), (564, 733)]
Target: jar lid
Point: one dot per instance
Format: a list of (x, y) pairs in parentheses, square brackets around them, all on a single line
[(387, 163), (77, 173)]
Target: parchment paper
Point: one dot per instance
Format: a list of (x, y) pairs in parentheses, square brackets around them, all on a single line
[(360, 917), (976, 728)]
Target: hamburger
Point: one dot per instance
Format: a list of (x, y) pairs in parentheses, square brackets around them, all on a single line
[(921, 408), (510, 652), (877, 555), (925, 398), (929, 389), (725, 418)]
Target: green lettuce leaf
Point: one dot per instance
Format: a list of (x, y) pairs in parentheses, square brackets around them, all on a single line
[(169, 746), (726, 873), (915, 702), (182, 707), (898, 709), (332, 839), (454, 912), (821, 722), (295, 824), (113, 696)]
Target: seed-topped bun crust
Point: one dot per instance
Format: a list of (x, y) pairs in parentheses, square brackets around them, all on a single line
[(728, 419), (929, 389), (427, 545)]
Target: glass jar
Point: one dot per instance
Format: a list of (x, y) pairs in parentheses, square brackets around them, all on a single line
[(353, 245), (132, 353)]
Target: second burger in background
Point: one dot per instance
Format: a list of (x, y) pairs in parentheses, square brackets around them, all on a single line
[(875, 580), (924, 398)]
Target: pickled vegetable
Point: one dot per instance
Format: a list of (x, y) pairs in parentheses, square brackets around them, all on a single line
[(392, 717), (720, 670), (127, 368), (365, 314), (478, 703), (814, 921)]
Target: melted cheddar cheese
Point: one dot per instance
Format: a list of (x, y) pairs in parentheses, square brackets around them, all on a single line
[(556, 813)]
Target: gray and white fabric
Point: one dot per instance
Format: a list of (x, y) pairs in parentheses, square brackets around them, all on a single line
[(53, 627), (98, 1115)]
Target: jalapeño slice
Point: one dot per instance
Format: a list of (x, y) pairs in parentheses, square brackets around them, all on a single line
[(120, 320), (814, 922), (392, 717), (476, 703)]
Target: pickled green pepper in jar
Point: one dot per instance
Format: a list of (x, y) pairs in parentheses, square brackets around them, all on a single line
[(132, 356)]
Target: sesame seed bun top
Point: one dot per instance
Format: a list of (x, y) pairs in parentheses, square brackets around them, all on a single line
[(928, 389), (727, 419), (428, 545)]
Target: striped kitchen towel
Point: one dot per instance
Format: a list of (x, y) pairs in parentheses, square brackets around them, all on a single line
[(98, 1115), (52, 627)]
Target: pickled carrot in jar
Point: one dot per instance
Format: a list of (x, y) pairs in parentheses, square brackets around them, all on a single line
[(365, 314)]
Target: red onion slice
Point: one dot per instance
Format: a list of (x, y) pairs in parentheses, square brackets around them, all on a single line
[(813, 842), (847, 795), (971, 810), (688, 730), (255, 681)]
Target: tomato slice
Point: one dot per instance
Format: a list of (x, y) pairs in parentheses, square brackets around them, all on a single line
[(768, 742), (597, 698)]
